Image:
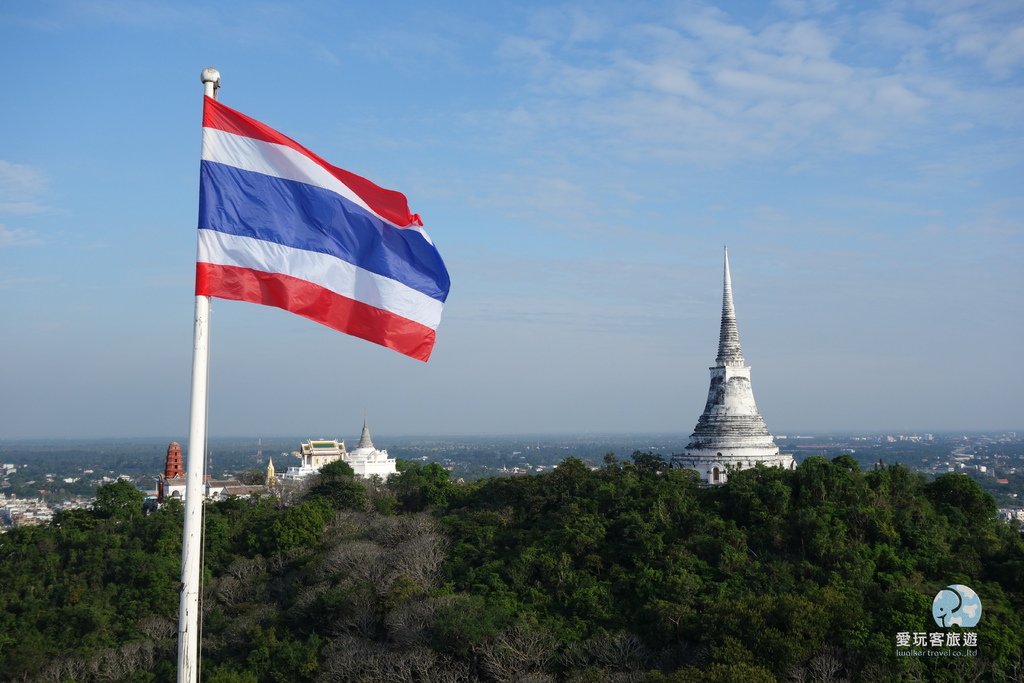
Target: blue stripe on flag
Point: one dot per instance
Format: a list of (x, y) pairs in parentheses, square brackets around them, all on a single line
[(303, 216)]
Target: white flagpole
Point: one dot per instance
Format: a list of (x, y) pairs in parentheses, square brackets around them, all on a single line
[(195, 466)]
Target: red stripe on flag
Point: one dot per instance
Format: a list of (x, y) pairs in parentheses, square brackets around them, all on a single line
[(389, 204), (318, 304)]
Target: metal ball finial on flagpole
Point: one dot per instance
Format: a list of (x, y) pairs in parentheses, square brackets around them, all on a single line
[(211, 79), (195, 467)]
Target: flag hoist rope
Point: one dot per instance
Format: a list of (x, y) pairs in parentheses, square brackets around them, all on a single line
[(195, 467)]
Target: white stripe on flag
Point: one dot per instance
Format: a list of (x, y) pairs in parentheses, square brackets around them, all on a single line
[(280, 161), (270, 158), (324, 270)]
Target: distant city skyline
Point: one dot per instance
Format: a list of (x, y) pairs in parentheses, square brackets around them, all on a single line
[(579, 166)]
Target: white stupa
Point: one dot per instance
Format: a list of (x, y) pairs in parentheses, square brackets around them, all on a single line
[(368, 461), (730, 434)]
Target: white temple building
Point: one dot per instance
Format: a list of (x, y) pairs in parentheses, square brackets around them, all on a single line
[(366, 460), (730, 434)]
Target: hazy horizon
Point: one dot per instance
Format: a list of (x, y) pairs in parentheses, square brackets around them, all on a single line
[(526, 435)]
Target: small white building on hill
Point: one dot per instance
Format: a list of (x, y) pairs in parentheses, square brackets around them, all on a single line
[(366, 460)]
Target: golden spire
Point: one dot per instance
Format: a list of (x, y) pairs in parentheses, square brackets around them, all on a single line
[(271, 475)]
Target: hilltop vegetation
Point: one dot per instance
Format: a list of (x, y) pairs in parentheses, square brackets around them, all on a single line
[(632, 572)]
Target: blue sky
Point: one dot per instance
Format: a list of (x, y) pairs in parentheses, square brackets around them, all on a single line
[(579, 165)]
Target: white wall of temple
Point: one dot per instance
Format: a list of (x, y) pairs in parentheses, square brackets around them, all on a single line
[(716, 470), (381, 469), (372, 462), (732, 453), (174, 490)]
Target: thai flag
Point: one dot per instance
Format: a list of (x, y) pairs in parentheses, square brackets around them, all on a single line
[(280, 226)]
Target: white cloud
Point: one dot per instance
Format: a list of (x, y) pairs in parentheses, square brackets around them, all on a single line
[(17, 237), (11, 281), (805, 7), (992, 33), (1007, 52), (997, 219), (572, 24), (20, 187), (705, 87)]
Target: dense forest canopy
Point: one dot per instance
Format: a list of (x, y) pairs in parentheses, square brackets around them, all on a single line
[(630, 572)]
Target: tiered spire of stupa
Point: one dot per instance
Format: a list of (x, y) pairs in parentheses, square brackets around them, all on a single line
[(364, 438), (730, 433), (729, 338)]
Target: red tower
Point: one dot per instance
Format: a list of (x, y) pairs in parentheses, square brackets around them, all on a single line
[(173, 468)]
